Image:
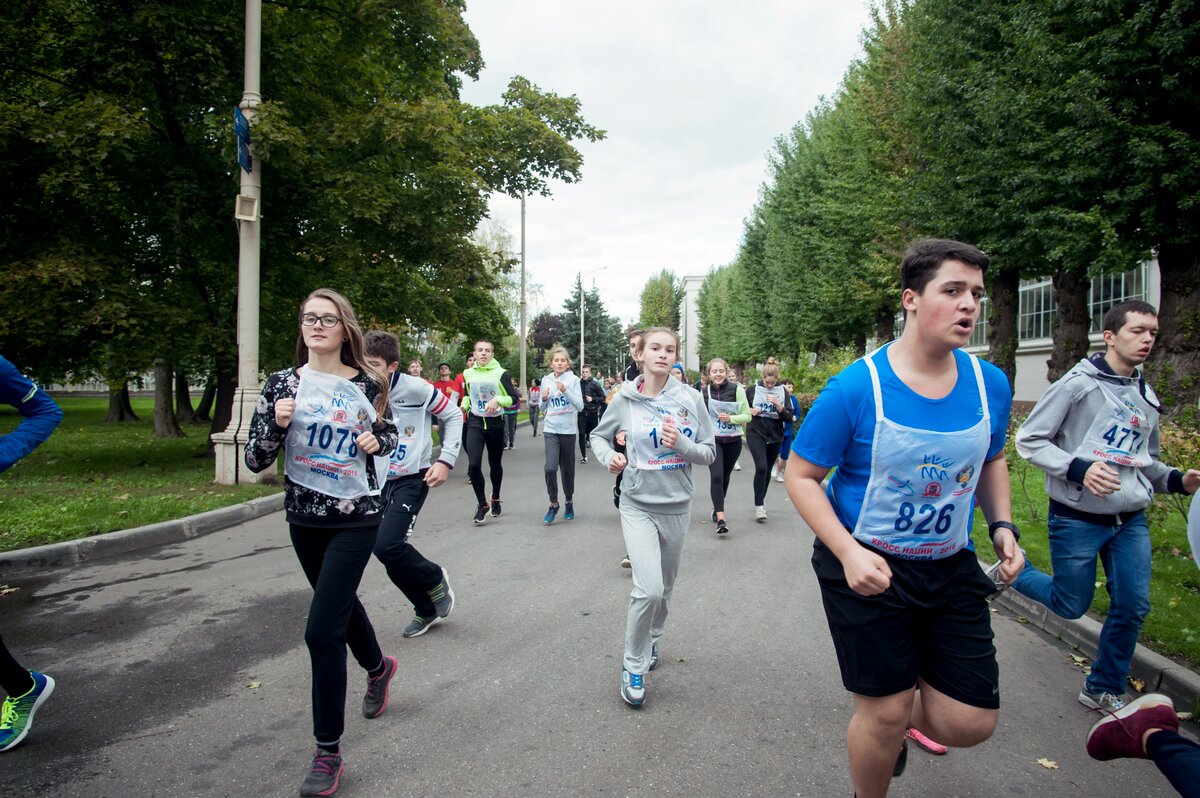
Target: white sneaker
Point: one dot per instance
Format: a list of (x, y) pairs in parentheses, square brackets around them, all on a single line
[(774, 473), (737, 466), (779, 477), (760, 513)]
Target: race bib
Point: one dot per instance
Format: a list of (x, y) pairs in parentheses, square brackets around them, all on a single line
[(322, 453), (406, 457), (481, 394), (723, 429), (645, 443), (764, 406), (1119, 437)]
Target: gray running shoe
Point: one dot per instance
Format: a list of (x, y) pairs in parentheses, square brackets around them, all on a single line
[(633, 689), (375, 701), (653, 657), (323, 776), (419, 626), (443, 596), (1101, 700)]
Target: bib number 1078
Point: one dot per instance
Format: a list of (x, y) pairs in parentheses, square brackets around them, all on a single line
[(323, 434), (919, 519)]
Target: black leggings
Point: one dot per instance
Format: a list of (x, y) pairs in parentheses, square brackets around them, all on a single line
[(334, 560), (721, 469), (408, 569), (560, 456), (13, 678), (586, 423), (1178, 758), (764, 455), (474, 441)]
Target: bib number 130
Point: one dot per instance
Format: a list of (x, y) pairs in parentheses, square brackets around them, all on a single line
[(919, 519)]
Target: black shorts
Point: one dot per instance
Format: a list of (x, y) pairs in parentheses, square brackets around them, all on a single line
[(932, 623)]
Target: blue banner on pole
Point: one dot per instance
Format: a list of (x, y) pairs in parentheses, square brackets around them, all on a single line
[(241, 128)]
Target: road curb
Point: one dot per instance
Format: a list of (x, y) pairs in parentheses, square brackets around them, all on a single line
[(1161, 674), (74, 552)]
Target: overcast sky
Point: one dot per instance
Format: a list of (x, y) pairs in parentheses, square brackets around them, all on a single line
[(692, 95)]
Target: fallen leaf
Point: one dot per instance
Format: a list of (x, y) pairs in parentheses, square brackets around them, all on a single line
[(123, 497), (1078, 660), (1022, 619), (1138, 684), (1048, 764), (5, 590), (254, 685)]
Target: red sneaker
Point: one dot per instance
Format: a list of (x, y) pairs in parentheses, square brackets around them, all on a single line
[(1119, 734)]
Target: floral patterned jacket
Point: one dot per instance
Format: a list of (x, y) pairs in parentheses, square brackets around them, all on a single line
[(306, 507)]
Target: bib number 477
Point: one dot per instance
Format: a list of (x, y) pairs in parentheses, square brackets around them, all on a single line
[(919, 519)]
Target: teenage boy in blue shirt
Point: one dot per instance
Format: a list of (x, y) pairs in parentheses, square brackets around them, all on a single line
[(916, 432)]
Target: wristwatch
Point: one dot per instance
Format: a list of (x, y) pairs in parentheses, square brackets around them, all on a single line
[(992, 527)]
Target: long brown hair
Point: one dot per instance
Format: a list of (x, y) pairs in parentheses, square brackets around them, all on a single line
[(352, 346)]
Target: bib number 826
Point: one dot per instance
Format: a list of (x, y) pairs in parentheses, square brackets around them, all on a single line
[(922, 517)]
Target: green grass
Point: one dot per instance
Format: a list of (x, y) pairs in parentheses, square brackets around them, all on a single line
[(1173, 626), (93, 477)]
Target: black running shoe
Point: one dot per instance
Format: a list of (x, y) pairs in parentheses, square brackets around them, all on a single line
[(495, 508), (721, 528), (901, 761), (376, 699), (323, 776), (480, 514)]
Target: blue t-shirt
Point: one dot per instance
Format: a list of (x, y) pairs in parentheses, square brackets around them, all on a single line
[(840, 428)]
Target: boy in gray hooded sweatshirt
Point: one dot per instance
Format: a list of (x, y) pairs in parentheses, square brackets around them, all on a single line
[(666, 430), (1095, 434)]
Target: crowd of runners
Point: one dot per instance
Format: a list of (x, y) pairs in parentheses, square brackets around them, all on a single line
[(887, 468)]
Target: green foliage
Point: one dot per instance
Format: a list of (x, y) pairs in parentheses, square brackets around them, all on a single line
[(116, 125), (604, 346), (660, 301)]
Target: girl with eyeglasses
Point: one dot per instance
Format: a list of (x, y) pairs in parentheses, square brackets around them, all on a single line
[(327, 416)]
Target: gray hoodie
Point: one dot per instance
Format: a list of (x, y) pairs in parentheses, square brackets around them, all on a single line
[(1053, 439), (670, 491)]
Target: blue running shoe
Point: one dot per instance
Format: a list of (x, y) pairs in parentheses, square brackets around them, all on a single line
[(633, 690), (16, 715), (569, 515), (548, 518)]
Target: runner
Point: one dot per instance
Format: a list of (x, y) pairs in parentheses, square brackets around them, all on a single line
[(678, 373), (667, 431), (593, 397), (632, 371), (789, 432), (564, 401), (450, 388), (771, 408), (535, 407), (488, 390), (415, 368), (414, 404), (327, 416), (728, 411), (1095, 434), (24, 690), (916, 432)]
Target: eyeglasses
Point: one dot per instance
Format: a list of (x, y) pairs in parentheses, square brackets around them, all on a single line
[(311, 319)]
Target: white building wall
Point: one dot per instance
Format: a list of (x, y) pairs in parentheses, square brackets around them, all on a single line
[(689, 319)]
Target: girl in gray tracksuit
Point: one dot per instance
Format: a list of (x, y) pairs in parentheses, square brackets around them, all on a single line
[(665, 428)]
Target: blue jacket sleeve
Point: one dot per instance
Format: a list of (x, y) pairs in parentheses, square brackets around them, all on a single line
[(41, 415)]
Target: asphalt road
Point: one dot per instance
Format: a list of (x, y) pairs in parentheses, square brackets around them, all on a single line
[(183, 672)]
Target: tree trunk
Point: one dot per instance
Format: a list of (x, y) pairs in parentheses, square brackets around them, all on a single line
[(119, 406), (226, 387), (1073, 324), (165, 423), (184, 413), (885, 325), (1004, 296), (206, 401), (1174, 364)]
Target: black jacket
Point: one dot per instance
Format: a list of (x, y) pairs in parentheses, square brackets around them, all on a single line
[(593, 396)]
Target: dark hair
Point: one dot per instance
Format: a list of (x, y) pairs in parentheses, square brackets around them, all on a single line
[(635, 334), (447, 365), (383, 345), (1118, 314), (925, 256)]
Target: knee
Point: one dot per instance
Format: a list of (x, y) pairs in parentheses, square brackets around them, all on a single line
[(966, 729), (390, 548), (321, 639)]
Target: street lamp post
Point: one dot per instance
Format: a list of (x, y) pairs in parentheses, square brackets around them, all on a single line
[(582, 302), (228, 444), (524, 333)]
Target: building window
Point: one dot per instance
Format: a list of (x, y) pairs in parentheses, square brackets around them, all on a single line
[(1036, 310), (980, 333), (1112, 289)]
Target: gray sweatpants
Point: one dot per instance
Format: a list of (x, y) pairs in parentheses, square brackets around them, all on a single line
[(560, 456), (655, 547)]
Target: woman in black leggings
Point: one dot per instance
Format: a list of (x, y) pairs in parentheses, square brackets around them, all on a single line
[(771, 408), (328, 417), (728, 409)]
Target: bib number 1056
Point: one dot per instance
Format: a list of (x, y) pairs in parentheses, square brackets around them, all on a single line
[(919, 519), (323, 435)]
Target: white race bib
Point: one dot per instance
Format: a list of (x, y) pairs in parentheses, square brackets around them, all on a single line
[(481, 394), (331, 412), (1120, 436), (644, 442), (723, 429), (764, 406)]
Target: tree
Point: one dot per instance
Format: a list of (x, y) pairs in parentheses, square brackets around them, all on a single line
[(660, 301), (377, 176), (605, 343)]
